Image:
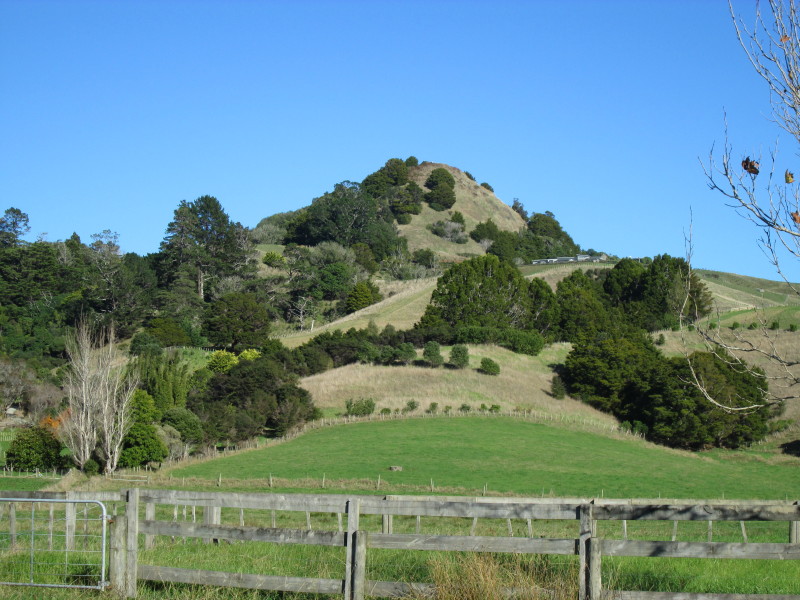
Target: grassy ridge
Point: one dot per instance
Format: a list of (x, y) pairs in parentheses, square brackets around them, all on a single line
[(509, 456)]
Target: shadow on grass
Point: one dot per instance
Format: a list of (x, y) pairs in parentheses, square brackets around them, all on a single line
[(792, 448)]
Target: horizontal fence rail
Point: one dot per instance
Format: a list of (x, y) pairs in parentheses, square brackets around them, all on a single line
[(358, 524)]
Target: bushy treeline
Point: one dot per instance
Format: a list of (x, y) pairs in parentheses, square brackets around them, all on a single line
[(660, 398)]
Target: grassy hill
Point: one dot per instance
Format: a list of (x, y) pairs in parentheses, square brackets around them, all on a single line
[(509, 456)]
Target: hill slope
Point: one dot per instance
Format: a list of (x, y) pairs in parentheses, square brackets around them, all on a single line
[(475, 202)]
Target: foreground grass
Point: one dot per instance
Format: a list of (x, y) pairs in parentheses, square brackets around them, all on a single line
[(507, 456)]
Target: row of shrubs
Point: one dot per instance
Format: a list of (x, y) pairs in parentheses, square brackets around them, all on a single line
[(363, 407)]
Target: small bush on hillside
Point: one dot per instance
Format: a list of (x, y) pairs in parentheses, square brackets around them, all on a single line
[(489, 367), (433, 408), (736, 325), (775, 325), (661, 340), (793, 327), (431, 353), (222, 361), (91, 467), (186, 423), (412, 161), (557, 388), (144, 343), (465, 408), (386, 411), (410, 406), (487, 186), (469, 175), (274, 260), (459, 356), (403, 219), (359, 408)]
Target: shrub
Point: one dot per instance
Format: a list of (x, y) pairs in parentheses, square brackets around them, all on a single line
[(489, 367), (363, 294), (222, 361), (142, 445), (91, 467), (775, 325), (273, 259), (249, 354), (411, 406), (557, 388), (34, 448), (660, 340), (459, 356), (793, 327), (431, 353), (185, 422), (359, 408), (465, 408), (487, 186), (440, 177), (712, 325), (386, 411), (469, 175), (412, 161), (736, 325), (494, 408), (403, 219), (753, 325), (433, 408), (144, 343)]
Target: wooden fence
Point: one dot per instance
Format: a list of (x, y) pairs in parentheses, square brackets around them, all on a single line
[(130, 533)]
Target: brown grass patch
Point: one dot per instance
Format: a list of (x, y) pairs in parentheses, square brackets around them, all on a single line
[(523, 384)]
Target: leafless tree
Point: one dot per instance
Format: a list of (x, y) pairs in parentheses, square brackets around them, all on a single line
[(100, 392), (761, 191)]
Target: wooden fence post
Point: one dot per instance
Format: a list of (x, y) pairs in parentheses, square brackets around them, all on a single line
[(349, 540), (131, 543), (359, 564), (70, 522), (149, 515), (117, 555), (212, 515), (794, 530), (588, 530), (12, 524)]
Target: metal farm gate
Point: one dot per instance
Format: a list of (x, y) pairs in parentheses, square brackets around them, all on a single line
[(53, 543)]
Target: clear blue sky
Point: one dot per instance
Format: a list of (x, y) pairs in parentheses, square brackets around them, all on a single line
[(114, 112)]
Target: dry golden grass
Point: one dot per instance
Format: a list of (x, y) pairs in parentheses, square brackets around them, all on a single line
[(403, 304), (523, 383), (491, 577)]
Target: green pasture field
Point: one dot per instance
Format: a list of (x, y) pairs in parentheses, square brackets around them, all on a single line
[(507, 456)]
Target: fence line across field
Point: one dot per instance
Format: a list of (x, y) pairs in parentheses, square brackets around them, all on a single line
[(163, 509)]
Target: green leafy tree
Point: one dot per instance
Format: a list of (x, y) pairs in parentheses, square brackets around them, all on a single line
[(141, 446), (186, 423), (441, 198), (13, 225), (237, 320), (222, 361), (35, 448), (440, 177), (482, 291), (203, 238), (363, 294)]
